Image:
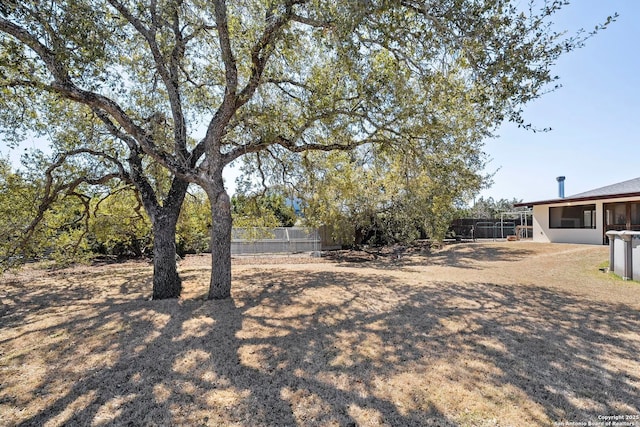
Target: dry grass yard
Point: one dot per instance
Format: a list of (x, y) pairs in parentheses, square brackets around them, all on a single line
[(476, 334)]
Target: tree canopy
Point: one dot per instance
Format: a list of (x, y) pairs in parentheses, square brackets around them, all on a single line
[(191, 86)]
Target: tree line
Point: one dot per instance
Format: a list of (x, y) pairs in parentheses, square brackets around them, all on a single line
[(104, 221)]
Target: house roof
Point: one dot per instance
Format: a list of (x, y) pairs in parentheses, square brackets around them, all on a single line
[(628, 188)]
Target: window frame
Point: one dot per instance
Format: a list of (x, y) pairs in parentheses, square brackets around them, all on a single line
[(591, 208)]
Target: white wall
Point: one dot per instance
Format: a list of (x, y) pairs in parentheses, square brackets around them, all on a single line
[(542, 232)]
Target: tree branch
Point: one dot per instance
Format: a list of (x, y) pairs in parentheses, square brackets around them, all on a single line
[(169, 73), (260, 54), (229, 60), (52, 191), (315, 23)]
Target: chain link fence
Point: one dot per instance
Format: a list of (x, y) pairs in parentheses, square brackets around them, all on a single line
[(494, 228), (278, 240)]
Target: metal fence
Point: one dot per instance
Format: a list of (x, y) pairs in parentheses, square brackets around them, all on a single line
[(251, 241), (494, 230)]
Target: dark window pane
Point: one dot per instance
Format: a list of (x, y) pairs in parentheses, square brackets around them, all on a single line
[(635, 213), (583, 216)]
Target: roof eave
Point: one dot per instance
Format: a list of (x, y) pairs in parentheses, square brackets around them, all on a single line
[(578, 199)]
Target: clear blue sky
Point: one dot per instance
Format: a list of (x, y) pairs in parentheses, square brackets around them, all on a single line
[(595, 116)]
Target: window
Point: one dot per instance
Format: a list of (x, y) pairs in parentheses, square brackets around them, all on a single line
[(635, 214), (583, 216), (616, 213), (622, 215)]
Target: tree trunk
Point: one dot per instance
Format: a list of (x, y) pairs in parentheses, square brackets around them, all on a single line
[(166, 282), (220, 286), (164, 219)]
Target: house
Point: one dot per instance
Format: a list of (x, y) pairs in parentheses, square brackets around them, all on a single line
[(586, 217)]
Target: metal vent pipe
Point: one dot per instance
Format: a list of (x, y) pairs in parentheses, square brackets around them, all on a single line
[(560, 180)]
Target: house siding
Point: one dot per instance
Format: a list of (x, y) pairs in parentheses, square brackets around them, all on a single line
[(593, 236)]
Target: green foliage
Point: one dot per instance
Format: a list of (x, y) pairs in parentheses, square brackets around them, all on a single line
[(43, 217), (301, 74), (118, 225), (17, 207), (79, 220), (194, 224), (262, 210), (30, 231), (389, 196)]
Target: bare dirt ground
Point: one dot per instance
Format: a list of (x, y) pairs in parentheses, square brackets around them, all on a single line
[(475, 334)]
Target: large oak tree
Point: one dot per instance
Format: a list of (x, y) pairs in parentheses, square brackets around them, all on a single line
[(194, 85)]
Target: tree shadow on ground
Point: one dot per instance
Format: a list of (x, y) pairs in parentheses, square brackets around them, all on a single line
[(335, 348), (460, 255), (467, 255)]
